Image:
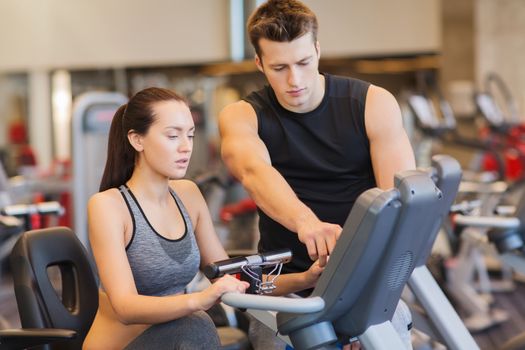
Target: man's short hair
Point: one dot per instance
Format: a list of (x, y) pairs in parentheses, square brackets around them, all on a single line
[(281, 21)]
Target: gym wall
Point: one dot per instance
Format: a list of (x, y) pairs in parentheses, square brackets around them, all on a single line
[(91, 34)]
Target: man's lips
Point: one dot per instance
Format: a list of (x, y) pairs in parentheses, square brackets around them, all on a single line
[(295, 92)]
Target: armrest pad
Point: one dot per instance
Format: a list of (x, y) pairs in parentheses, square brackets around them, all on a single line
[(485, 188), (505, 210), (281, 304), (487, 221), (465, 206), (29, 337), (484, 177)]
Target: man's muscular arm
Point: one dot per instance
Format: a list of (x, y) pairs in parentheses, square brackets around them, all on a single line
[(247, 157), (390, 147)]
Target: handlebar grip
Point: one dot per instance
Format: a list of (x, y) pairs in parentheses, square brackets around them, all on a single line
[(234, 265), (51, 208), (219, 268)]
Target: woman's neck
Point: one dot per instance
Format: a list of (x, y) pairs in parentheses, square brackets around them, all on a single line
[(150, 188)]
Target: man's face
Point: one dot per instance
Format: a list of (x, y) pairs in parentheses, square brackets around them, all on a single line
[(292, 71)]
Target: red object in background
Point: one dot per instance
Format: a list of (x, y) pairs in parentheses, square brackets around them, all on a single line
[(17, 136), (513, 143), (65, 201), (25, 156), (61, 168), (514, 165), (17, 132), (489, 163), (228, 212), (37, 220)]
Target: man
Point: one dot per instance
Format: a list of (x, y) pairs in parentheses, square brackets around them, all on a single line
[(309, 144), (306, 146)]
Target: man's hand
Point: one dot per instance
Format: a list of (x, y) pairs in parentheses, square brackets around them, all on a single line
[(319, 238)]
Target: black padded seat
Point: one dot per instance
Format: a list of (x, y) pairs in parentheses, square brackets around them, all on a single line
[(39, 305)]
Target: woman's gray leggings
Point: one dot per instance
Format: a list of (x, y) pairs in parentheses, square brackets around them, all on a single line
[(193, 332)]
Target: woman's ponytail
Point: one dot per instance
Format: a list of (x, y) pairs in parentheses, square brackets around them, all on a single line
[(121, 156)]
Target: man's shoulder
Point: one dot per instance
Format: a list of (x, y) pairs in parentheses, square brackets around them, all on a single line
[(342, 79), (239, 108), (260, 98), (235, 115), (343, 86)]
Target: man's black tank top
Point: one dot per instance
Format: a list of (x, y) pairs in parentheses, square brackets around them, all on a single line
[(324, 155)]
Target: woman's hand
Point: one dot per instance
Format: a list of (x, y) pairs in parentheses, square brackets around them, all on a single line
[(211, 295), (312, 274), (352, 346)]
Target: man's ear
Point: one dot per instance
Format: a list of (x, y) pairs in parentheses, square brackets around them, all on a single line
[(318, 49), (135, 140), (258, 63)]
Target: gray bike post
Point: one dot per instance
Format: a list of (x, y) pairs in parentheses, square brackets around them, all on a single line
[(92, 116)]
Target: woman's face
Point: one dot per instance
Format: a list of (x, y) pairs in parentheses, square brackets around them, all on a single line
[(168, 144)]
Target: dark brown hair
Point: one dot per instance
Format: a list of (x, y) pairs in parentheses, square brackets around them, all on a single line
[(136, 115), (281, 21)]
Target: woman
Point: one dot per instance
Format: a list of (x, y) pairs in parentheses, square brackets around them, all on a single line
[(150, 235)]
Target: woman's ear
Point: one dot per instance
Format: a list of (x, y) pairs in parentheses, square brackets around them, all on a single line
[(135, 140)]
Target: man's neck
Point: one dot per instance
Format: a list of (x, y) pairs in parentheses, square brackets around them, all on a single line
[(318, 94), (314, 100)]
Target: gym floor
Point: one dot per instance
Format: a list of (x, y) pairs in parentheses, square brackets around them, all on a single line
[(514, 304)]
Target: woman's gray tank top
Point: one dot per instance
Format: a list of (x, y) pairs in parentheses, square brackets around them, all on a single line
[(160, 266)]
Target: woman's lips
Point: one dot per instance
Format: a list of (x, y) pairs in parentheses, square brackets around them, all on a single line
[(182, 162)]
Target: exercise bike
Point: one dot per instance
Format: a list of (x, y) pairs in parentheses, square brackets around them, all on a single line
[(386, 236)]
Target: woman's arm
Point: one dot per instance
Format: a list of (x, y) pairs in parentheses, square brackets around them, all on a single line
[(107, 215), (295, 282), (212, 249)]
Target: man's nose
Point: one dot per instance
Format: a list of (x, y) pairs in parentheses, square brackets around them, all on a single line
[(293, 77)]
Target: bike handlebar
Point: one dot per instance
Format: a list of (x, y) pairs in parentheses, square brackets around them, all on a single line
[(234, 265)]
